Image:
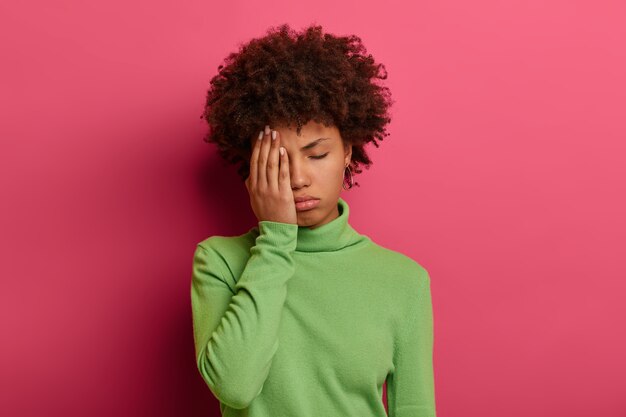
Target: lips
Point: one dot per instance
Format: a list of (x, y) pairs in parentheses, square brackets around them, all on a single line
[(302, 198), (306, 203)]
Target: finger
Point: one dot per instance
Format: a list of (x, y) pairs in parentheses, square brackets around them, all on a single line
[(272, 162), (262, 161), (284, 179), (253, 159)]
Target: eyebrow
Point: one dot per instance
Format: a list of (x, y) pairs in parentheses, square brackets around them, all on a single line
[(313, 144)]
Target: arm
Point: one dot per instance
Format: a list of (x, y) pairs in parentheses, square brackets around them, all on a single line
[(411, 386), (236, 330)]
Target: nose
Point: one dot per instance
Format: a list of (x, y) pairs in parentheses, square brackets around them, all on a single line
[(299, 176)]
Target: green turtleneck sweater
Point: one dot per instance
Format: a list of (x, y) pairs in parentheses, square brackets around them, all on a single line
[(298, 322)]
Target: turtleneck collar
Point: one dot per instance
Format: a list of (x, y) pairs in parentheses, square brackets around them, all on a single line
[(332, 236)]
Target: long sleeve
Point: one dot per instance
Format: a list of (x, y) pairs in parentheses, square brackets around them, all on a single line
[(236, 327), (411, 386)]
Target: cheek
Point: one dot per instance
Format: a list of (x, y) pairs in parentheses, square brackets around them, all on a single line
[(332, 171)]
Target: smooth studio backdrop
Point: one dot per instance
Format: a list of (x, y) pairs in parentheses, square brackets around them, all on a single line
[(504, 176)]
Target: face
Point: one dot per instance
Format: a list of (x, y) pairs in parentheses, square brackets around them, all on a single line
[(317, 161)]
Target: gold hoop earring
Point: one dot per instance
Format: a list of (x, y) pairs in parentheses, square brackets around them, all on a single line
[(351, 181)]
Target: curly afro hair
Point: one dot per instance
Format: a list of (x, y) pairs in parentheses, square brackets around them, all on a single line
[(291, 78)]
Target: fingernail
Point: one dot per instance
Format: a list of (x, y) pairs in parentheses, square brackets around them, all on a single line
[(267, 130), (273, 134), (282, 150), (260, 135)]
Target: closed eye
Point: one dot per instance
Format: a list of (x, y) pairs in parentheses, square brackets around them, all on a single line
[(320, 156)]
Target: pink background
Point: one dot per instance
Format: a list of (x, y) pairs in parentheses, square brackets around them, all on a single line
[(504, 176)]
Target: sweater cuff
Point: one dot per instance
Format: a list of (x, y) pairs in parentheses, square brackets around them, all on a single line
[(278, 234)]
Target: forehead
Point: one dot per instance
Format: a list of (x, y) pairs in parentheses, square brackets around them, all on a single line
[(311, 130)]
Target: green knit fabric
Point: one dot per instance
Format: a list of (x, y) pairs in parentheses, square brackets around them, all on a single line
[(298, 322)]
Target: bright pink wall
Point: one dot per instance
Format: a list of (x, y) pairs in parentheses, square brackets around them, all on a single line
[(504, 176)]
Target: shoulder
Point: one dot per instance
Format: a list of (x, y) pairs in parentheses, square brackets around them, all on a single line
[(405, 270), (229, 245), (228, 254)]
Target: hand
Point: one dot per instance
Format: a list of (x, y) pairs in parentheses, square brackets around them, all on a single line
[(269, 182)]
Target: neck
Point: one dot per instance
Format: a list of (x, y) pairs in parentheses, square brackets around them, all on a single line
[(331, 236)]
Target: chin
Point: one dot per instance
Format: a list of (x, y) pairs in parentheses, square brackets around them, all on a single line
[(305, 218)]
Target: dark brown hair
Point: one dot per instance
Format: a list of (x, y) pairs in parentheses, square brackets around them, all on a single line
[(291, 78)]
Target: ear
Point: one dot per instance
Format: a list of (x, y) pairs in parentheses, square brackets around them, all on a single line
[(348, 154)]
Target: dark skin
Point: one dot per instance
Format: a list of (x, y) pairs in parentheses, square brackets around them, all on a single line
[(307, 166)]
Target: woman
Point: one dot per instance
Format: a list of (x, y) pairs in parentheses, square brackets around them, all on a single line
[(302, 315)]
